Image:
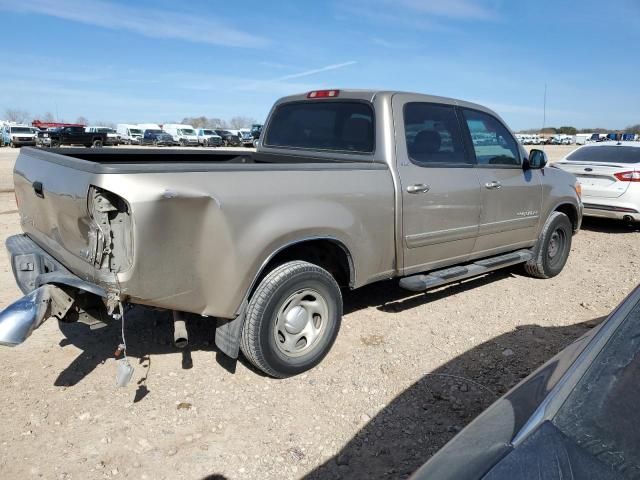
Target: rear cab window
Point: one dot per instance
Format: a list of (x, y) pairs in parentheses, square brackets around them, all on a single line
[(340, 126)]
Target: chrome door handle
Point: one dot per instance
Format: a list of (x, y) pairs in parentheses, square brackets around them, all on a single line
[(418, 188), (493, 185)]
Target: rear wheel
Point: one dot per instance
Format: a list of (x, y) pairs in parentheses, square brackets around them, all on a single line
[(97, 143), (292, 319), (552, 249)]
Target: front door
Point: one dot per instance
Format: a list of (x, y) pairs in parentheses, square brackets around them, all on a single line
[(441, 198), (511, 196)]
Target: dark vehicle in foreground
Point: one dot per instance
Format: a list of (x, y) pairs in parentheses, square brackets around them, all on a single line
[(73, 135), (157, 138), (575, 417), (228, 138)]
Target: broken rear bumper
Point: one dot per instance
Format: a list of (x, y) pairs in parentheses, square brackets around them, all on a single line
[(33, 267)]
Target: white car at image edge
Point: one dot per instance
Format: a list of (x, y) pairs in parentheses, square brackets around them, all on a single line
[(609, 173)]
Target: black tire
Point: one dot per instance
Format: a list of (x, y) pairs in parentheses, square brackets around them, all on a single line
[(11, 144), (552, 249), (263, 342), (97, 143)]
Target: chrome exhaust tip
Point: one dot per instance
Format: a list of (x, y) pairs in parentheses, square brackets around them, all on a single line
[(22, 317), (180, 334)]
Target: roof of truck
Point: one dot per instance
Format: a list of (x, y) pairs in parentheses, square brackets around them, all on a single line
[(370, 95)]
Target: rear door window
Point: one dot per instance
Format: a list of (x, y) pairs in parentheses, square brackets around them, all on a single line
[(323, 125), (433, 135), (492, 142)]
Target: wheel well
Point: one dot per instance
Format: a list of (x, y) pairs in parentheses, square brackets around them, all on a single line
[(328, 254), (571, 212)]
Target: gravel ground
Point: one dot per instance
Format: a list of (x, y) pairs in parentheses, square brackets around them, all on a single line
[(407, 372)]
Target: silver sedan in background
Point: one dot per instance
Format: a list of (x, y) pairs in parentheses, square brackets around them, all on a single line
[(609, 173)]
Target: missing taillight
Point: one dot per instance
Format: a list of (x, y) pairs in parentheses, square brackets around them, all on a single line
[(110, 244)]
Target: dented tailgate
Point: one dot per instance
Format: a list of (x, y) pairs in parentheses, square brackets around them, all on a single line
[(78, 224)]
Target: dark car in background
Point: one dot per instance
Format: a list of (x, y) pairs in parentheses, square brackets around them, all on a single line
[(576, 417), (157, 138), (70, 135), (228, 138)]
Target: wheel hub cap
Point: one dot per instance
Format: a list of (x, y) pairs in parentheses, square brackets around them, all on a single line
[(295, 320), (301, 322)]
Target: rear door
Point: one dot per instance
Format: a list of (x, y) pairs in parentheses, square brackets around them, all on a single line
[(441, 199), (511, 197)]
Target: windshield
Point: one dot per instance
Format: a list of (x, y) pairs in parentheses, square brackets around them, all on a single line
[(135, 131), (153, 131), (21, 130), (601, 414), (105, 130), (186, 131), (208, 132), (606, 154), (339, 126)]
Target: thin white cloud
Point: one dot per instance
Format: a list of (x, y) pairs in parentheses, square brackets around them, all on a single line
[(155, 23), (306, 73), (281, 84)]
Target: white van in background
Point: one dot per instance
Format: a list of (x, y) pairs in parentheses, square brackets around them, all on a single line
[(130, 134), (185, 135)]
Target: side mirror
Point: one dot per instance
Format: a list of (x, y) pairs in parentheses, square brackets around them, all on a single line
[(536, 161)]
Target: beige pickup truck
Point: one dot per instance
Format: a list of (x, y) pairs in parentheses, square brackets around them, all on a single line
[(346, 188)]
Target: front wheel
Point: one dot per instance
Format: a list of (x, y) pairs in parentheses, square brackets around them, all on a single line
[(552, 249), (97, 143), (292, 319)]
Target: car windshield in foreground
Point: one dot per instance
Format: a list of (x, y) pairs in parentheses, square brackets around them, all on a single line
[(186, 131), (607, 154), (208, 132), (322, 125), (601, 414), (21, 130), (134, 131), (154, 131)]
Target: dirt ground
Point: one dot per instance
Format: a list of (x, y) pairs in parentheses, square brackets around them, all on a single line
[(407, 372)]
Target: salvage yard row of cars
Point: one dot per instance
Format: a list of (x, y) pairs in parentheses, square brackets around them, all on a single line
[(58, 134)]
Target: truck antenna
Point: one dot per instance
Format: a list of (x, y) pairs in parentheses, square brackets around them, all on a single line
[(544, 114)]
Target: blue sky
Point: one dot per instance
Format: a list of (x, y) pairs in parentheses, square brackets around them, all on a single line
[(155, 61)]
